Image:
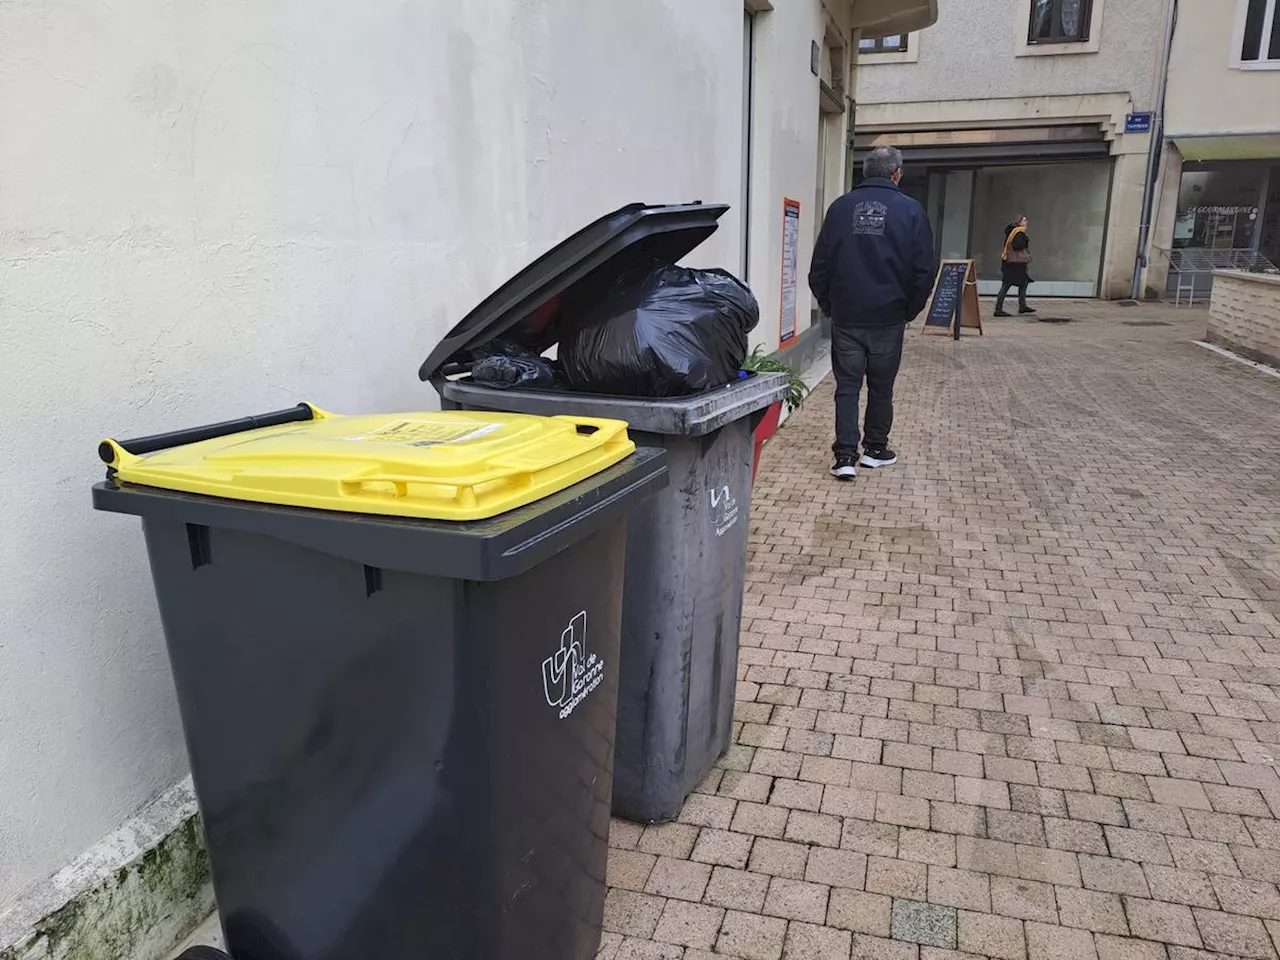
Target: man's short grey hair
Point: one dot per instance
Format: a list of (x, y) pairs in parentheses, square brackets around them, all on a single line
[(882, 162)]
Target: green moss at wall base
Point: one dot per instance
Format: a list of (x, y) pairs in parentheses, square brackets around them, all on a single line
[(140, 913)]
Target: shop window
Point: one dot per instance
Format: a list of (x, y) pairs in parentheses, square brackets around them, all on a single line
[(893, 44), (1261, 42), (1062, 21), (1218, 205)]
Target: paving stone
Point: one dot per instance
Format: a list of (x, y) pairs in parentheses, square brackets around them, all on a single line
[(631, 948), (925, 923), (924, 846), (1127, 948), (1079, 836), (751, 937), (629, 869), (632, 914), (991, 936), (865, 947), (1047, 941), (1253, 898), (1235, 935), (1048, 866), (1014, 827), (807, 941), (1091, 910), (959, 888), (778, 858), (760, 820), (723, 847), (1023, 899), (859, 912), (873, 839), (1203, 855), (669, 840), (1113, 875), (902, 811), (837, 868), (736, 889), (813, 828), (796, 900), (1189, 887), (897, 878), (1166, 922)]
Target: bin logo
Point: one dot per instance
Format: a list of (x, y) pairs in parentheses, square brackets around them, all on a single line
[(724, 509), (570, 674)]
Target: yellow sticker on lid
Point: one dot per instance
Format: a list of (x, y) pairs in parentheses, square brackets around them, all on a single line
[(426, 433)]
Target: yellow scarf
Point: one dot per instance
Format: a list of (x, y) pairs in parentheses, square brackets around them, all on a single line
[(1008, 242)]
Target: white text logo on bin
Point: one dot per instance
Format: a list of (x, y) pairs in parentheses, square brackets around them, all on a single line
[(724, 509), (570, 674)]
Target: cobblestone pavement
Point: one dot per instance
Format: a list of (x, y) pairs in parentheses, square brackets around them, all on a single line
[(1016, 697)]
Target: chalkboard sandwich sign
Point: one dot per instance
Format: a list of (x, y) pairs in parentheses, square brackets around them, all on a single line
[(954, 302)]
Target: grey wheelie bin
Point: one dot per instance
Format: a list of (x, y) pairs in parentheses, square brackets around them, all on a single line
[(686, 547), (395, 646)]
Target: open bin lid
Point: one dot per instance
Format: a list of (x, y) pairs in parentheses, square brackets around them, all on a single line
[(443, 466), (524, 309)]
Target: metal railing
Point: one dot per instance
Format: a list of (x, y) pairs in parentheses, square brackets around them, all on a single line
[(1190, 265)]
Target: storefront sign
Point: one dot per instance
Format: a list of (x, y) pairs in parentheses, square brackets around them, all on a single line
[(1137, 123), (790, 270)]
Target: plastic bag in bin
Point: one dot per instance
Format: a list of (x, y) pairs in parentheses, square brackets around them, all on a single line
[(671, 332)]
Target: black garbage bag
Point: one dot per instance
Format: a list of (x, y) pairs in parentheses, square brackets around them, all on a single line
[(507, 366), (670, 332)]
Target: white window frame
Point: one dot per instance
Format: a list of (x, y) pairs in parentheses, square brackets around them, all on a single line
[(1237, 37), (1024, 48)]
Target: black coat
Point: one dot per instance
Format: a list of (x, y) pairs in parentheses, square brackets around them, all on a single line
[(873, 264), (1015, 274)]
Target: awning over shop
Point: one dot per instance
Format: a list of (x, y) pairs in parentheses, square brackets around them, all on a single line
[(989, 145), (1230, 146)]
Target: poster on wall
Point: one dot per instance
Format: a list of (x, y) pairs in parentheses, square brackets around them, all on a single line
[(790, 270)]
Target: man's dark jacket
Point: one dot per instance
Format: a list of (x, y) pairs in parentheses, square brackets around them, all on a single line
[(873, 264)]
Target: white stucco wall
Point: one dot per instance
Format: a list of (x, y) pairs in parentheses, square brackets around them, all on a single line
[(208, 210), (977, 50), (785, 138)]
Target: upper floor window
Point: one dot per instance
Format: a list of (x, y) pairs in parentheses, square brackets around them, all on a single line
[(1261, 31), (1062, 21), (893, 44)]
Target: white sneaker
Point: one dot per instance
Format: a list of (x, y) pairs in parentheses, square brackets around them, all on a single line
[(844, 469), (883, 457)]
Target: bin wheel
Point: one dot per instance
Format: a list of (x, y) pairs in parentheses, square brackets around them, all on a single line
[(203, 953)]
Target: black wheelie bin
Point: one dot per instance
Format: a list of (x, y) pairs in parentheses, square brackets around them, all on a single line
[(686, 547), (395, 646)]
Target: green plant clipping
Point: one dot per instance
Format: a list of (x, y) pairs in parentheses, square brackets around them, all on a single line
[(760, 362)]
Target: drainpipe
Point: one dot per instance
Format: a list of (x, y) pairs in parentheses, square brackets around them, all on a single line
[(1153, 154)]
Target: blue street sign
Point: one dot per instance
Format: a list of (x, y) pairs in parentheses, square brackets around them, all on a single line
[(1137, 123)]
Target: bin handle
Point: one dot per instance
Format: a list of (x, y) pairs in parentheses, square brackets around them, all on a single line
[(113, 451)]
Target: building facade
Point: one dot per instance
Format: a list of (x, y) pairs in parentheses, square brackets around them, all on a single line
[(208, 210), (1024, 107), (1218, 196)]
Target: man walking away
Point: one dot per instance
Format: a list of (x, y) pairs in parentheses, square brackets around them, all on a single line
[(873, 268)]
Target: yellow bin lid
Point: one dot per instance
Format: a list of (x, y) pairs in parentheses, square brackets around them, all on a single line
[(435, 465)]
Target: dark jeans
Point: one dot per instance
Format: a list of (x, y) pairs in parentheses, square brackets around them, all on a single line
[(874, 353), (1004, 291)]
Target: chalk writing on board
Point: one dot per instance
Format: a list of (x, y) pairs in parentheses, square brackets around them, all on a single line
[(946, 294)]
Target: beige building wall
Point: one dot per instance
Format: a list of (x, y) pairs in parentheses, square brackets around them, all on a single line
[(976, 70), (1217, 108), (1210, 91)]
